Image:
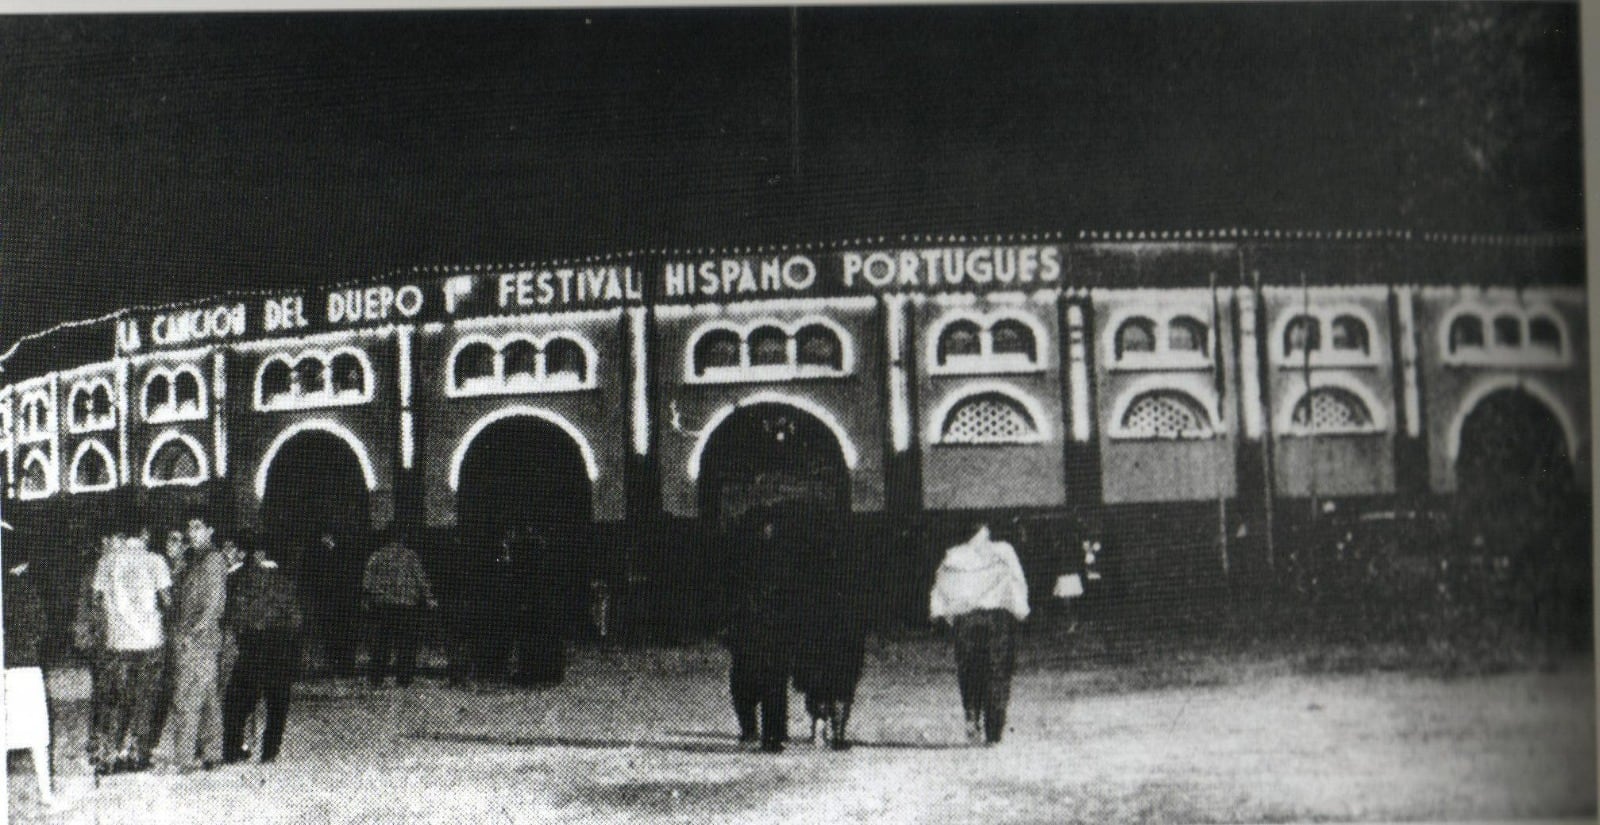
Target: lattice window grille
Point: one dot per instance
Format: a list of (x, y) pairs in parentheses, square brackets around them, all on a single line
[(1163, 416), (989, 420), (1331, 410)]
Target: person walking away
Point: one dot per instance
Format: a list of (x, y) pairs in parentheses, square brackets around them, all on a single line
[(192, 737), (759, 639), (394, 591), (266, 619), (981, 591), (132, 588), (831, 622), (27, 712)]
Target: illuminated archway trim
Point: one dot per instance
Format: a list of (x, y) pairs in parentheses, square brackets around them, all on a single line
[(968, 392), (52, 482), (1533, 387), (1377, 411), (322, 425), (1325, 355), (91, 445), (500, 385), (167, 410), (1197, 387), (457, 458), (791, 369), (846, 446), (327, 396), (1492, 354), (90, 423), (986, 361), (203, 466)]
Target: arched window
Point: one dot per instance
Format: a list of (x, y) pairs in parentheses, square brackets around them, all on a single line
[(768, 345), (35, 478), (818, 346), (349, 375), (563, 356), (988, 418), (186, 391), (1507, 331), (1303, 334), (157, 393), (475, 361), (1012, 337), (1330, 409), (1466, 331), (310, 374), (91, 469), (275, 380), (1136, 335), (92, 407), (959, 338), (175, 461), (521, 358), (1349, 333), (1165, 414), (1186, 334), (1544, 334), (716, 348)]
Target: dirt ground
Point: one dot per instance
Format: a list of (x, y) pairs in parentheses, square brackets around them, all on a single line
[(647, 736)]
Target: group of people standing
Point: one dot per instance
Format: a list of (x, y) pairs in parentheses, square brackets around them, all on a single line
[(183, 647), (795, 610)]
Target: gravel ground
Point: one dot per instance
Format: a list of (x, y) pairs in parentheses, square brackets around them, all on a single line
[(647, 736)]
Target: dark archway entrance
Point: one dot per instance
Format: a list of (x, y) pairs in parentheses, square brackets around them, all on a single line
[(768, 456), (524, 507), (1513, 459), (317, 522)]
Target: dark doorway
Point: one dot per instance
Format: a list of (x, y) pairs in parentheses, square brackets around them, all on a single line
[(771, 456), (525, 520), (1513, 460), (317, 523)]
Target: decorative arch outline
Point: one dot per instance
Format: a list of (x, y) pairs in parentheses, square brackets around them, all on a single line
[(1492, 355), (821, 413), (167, 409), (1376, 410), (459, 455), (792, 369), (1197, 388), (966, 392), (326, 425), (1533, 387), (95, 446), (328, 397), (194, 447), (985, 321), (87, 387), (499, 343), (1325, 355), (52, 484)]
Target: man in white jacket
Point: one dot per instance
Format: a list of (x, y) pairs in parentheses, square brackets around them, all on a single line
[(980, 590)]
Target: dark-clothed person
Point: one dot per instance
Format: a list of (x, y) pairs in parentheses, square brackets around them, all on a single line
[(131, 589), (541, 610), (395, 589), (331, 581), (760, 636), (192, 735), (24, 618), (831, 638), (980, 589), (266, 620)]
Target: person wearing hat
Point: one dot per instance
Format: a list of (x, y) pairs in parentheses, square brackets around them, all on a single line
[(980, 590)]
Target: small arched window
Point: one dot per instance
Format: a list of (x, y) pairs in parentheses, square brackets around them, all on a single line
[(186, 391), (521, 358), (35, 478), (1165, 414), (1507, 331), (1303, 334), (92, 469), (988, 418), (1012, 337), (1544, 334), (157, 392), (475, 361), (1349, 333), (957, 339), (311, 375), (1330, 409), (1186, 334), (1466, 331), (768, 345), (92, 407), (349, 376), (176, 462), (716, 348), (1136, 335), (818, 346), (563, 356)]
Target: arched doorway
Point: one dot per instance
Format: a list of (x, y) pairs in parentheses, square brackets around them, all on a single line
[(1513, 458), (771, 455), (316, 520), (524, 508)]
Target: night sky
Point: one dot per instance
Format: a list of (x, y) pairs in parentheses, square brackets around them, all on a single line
[(157, 158)]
